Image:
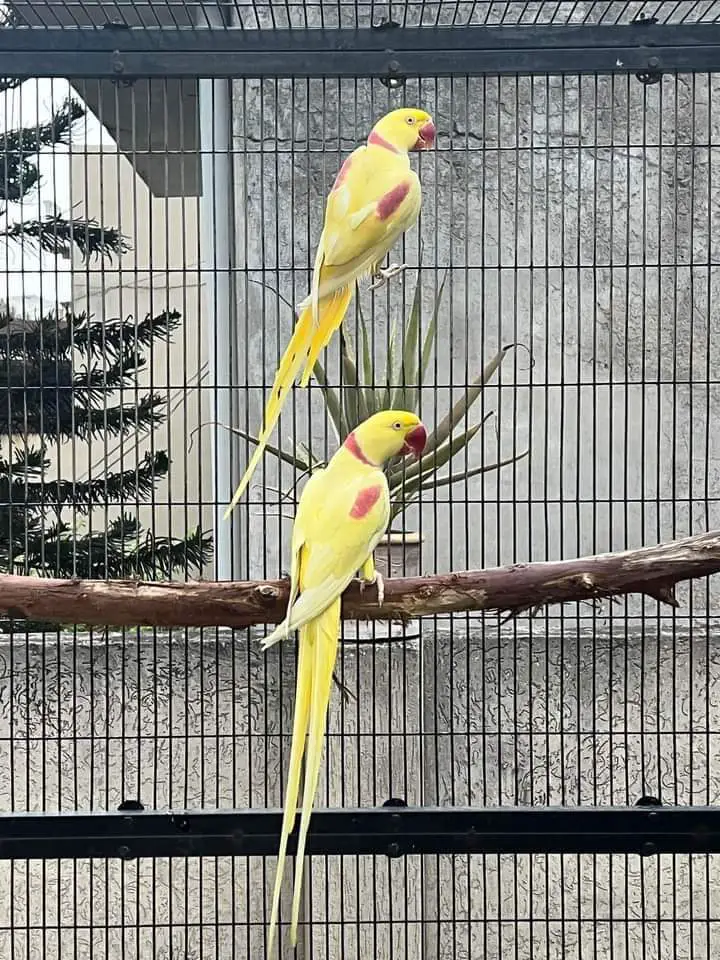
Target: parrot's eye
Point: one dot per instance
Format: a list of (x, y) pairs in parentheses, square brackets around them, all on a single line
[(397, 425), (411, 120)]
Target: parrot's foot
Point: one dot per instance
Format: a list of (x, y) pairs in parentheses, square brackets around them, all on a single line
[(383, 274), (281, 633), (379, 583)]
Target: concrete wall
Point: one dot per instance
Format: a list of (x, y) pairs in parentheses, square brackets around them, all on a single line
[(193, 721)]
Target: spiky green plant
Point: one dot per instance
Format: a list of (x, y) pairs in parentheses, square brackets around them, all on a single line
[(406, 364)]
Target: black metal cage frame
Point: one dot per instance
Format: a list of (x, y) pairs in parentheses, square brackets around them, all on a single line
[(391, 51)]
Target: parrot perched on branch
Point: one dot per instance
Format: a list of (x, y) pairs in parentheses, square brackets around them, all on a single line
[(375, 198), (343, 512)]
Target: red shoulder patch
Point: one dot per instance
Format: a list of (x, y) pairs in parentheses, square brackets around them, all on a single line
[(342, 175), (365, 501), (388, 204)]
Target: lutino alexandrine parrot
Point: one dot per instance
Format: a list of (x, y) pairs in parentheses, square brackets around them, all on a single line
[(375, 198), (343, 512)]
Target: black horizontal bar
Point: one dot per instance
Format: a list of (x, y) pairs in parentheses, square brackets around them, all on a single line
[(392, 832), (370, 52)]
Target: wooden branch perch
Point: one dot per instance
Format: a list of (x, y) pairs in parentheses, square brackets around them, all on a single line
[(652, 571)]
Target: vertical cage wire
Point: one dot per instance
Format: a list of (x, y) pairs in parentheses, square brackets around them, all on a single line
[(333, 14), (576, 218)]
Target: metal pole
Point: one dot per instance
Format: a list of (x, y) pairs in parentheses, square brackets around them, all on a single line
[(218, 301)]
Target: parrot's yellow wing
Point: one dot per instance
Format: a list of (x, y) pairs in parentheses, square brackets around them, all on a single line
[(376, 197), (365, 207), (329, 545), (298, 541)]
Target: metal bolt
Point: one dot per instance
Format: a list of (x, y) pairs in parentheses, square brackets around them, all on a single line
[(394, 66), (647, 849), (124, 852), (393, 850), (653, 62)]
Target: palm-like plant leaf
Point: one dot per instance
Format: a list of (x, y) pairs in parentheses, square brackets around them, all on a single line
[(332, 401), (410, 497), (292, 459), (413, 368), (408, 364), (364, 391), (476, 471), (390, 376), (351, 392), (373, 398), (418, 472), (431, 333), (309, 455), (446, 426)]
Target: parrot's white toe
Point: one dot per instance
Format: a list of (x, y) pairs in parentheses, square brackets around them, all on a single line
[(383, 274), (380, 588)]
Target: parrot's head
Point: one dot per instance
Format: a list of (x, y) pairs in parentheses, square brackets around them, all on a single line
[(405, 129), (389, 433)]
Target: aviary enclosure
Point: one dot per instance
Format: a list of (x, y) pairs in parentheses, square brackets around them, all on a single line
[(521, 759)]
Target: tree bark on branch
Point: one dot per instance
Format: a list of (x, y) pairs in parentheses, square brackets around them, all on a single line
[(652, 571)]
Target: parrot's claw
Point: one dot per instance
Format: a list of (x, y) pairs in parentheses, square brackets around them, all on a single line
[(379, 583), (380, 588), (383, 274)]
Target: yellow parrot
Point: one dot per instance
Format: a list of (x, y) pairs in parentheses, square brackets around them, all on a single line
[(375, 198), (343, 512)]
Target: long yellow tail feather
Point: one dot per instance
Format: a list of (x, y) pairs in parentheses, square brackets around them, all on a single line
[(318, 645), (292, 361), (326, 629), (303, 695), (331, 313), (306, 344)]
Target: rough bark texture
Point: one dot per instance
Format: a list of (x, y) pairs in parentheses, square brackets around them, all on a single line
[(652, 571)]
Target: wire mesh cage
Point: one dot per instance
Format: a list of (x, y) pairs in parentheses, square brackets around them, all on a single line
[(292, 14), (157, 233)]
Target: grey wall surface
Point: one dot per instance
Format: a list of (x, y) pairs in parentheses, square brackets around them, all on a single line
[(484, 718)]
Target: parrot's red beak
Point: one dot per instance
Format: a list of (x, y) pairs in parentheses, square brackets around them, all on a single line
[(426, 136), (415, 441)]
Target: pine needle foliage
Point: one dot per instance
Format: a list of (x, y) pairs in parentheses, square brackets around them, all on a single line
[(67, 377)]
